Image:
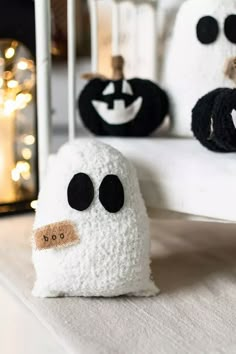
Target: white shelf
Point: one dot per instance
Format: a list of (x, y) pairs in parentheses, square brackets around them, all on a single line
[(175, 174), (182, 176)]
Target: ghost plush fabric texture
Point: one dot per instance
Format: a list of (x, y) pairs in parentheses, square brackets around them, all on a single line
[(112, 255), (203, 39), (214, 120), (120, 107)]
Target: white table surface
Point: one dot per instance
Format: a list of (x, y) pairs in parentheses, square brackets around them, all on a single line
[(194, 265), (20, 330)]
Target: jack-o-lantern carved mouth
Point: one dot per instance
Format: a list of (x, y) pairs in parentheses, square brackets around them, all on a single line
[(119, 114)]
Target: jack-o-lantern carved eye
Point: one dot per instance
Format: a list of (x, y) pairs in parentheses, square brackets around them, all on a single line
[(126, 88), (109, 90)]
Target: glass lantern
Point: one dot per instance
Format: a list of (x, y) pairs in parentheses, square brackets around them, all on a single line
[(17, 126), (18, 152)]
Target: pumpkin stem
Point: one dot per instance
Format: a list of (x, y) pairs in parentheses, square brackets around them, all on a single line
[(230, 69), (91, 76), (117, 63)]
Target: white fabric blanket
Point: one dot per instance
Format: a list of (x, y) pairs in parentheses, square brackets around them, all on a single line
[(195, 264)]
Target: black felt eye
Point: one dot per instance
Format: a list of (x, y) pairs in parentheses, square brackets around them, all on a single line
[(80, 192), (207, 30), (111, 193), (230, 28)]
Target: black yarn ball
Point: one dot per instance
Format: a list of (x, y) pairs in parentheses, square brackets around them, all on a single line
[(120, 107), (225, 113), (214, 120)]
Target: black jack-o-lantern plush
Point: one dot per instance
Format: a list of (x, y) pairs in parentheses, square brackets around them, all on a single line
[(214, 116), (120, 107)]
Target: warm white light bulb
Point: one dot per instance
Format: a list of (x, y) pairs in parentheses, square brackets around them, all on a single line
[(29, 140), (9, 107), (33, 204), (12, 84), (9, 52), (15, 175), (22, 65), (26, 153), (23, 166), (21, 101), (28, 97), (26, 175)]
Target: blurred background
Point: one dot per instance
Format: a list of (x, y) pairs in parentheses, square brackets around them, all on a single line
[(143, 51)]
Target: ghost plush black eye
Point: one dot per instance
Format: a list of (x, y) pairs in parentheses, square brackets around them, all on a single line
[(80, 192), (230, 28), (111, 194), (207, 30)]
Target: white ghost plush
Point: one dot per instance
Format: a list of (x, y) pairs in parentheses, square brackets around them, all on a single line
[(91, 231), (203, 40)]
